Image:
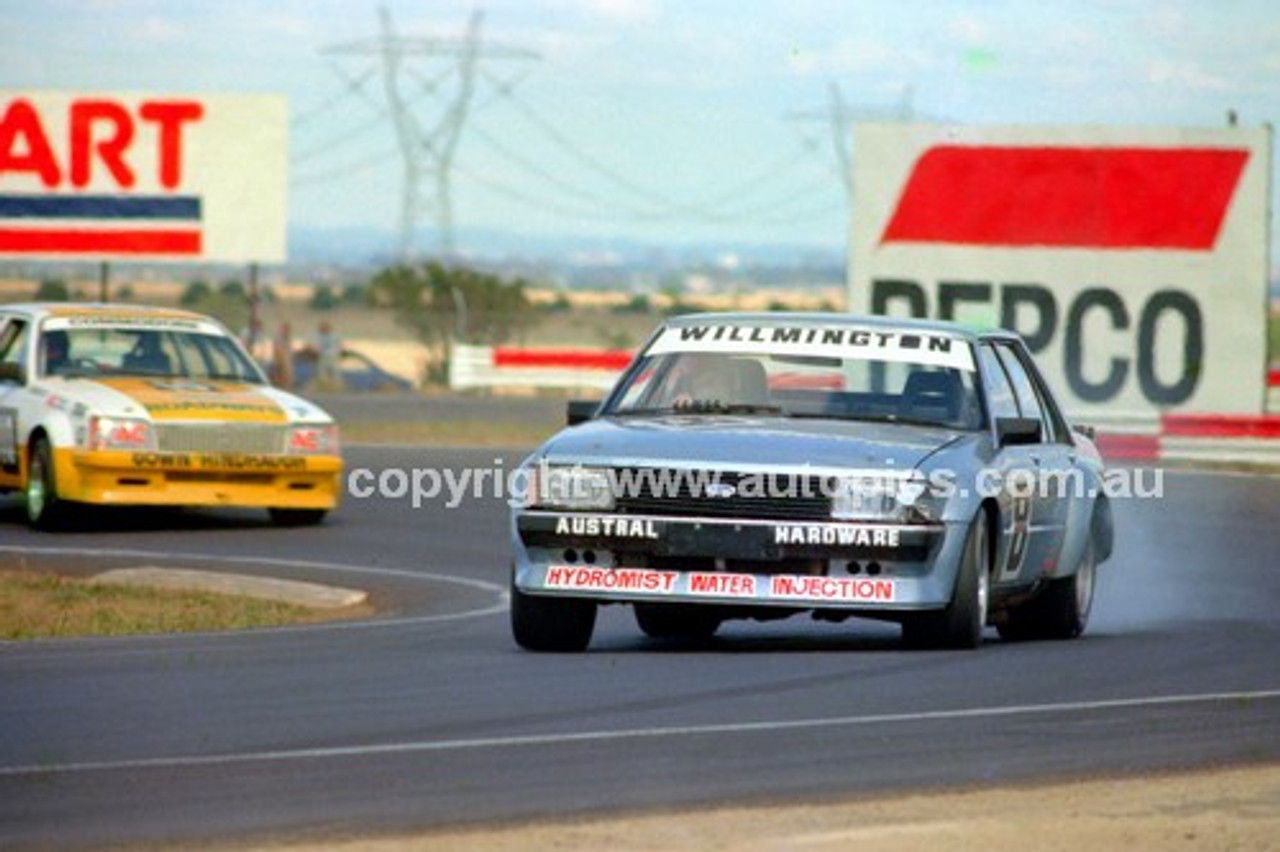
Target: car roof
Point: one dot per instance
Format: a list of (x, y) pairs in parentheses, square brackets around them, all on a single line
[(39, 310), (956, 329)]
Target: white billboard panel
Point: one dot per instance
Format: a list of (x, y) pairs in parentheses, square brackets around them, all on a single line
[(127, 176), (1132, 260)]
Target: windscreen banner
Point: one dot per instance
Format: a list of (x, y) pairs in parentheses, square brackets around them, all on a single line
[(118, 176), (1132, 260)]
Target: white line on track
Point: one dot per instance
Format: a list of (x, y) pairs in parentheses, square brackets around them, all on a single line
[(500, 594), (421, 746)]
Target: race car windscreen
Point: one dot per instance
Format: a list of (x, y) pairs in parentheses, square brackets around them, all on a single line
[(834, 373), (161, 350)]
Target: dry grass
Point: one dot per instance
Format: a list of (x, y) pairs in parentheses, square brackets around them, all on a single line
[(38, 605)]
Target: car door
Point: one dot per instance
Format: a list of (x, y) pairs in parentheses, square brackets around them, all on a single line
[(1018, 472), (13, 352), (1052, 460)]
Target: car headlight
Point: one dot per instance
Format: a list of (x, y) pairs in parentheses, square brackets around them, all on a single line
[(901, 499), (575, 488), (120, 433), (313, 439)]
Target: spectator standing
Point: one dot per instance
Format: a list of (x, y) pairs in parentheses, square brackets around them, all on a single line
[(282, 357), (328, 354)]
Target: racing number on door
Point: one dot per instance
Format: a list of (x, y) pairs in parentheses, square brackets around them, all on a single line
[(1019, 534)]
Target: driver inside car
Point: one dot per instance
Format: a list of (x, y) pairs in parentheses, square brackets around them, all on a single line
[(57, 349)]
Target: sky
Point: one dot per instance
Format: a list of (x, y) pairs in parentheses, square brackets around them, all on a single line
[(667, 123)]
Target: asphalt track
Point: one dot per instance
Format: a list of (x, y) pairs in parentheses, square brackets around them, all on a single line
[(429, 716)]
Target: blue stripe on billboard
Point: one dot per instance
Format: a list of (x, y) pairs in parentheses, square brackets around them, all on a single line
[(185, 207)]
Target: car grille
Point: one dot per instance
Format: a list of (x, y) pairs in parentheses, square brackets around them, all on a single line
[(256, 438), (784, 497)]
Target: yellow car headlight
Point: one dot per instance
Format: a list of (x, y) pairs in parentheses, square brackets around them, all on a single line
[(120, 433), (316, 439)]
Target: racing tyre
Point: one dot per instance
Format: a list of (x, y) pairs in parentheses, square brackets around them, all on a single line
[(960, 624), (45, 509), (551, 624), (296, 517), (668, 621), (1061, 611)]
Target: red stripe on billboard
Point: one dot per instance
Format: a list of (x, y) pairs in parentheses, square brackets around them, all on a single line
[(580, 359), (42, 241), (1093, 198)]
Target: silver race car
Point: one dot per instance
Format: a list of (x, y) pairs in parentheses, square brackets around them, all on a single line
[(763, 465)]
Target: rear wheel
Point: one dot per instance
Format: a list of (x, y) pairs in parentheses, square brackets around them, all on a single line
[(673, 621), (45, 509), (960, 624), (1061, 611), (551, 624)]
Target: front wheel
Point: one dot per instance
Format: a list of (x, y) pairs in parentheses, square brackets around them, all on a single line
[(960, 624), (541, 623), (296, 517), (45, 509)]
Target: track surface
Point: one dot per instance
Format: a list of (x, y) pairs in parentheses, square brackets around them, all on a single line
[(431, 716)]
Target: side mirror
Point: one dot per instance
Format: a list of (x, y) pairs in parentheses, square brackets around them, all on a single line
[(580, 411), (1011, 431), (12, 372), (1088, 431)]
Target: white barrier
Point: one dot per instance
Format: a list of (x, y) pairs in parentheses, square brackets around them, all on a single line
[(489, 367)]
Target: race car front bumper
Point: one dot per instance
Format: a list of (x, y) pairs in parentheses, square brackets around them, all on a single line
[(739, 562), (198, 479)]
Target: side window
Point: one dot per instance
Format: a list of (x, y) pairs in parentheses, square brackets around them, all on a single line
[(1000, 398), (13, 343), (1023, 388)]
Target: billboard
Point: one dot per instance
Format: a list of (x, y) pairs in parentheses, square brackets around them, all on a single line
[(120, 176), (1133, 260)]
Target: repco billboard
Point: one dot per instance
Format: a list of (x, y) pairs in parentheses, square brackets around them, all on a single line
[(1132, 260), (99, 176)]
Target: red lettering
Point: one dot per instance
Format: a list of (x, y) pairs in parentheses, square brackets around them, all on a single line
[(21, 128), (119, 133), (170, 118)]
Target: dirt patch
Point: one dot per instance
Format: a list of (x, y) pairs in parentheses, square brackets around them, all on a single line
[(1236, 809)]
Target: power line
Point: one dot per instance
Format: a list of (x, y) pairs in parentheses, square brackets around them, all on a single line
[(427, 153)]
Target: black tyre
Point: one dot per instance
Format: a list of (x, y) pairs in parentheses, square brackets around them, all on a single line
[(296, 517), (45, 509), (673, 621), (551, 624), (1061, 611), (960, 624)]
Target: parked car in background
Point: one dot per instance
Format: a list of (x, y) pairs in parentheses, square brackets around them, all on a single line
[(357, 371)]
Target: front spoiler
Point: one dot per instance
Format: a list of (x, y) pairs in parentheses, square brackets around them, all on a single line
[(218, 479), (917, 572)]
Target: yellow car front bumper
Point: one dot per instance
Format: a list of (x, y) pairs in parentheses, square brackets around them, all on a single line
[(198, 479)]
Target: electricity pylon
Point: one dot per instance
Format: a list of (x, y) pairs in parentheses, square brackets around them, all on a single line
[(427, 151)]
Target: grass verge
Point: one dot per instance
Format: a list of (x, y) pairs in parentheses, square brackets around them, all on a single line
[(40, 605)]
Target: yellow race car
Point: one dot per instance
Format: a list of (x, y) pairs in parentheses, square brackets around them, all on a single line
[(136, 406)]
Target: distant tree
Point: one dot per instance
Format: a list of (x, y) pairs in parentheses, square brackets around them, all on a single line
[(124, 294), (637, 304), (322, 298), (195, 293), (559, 305), (234, 289), (53, 290), (440, 303)]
